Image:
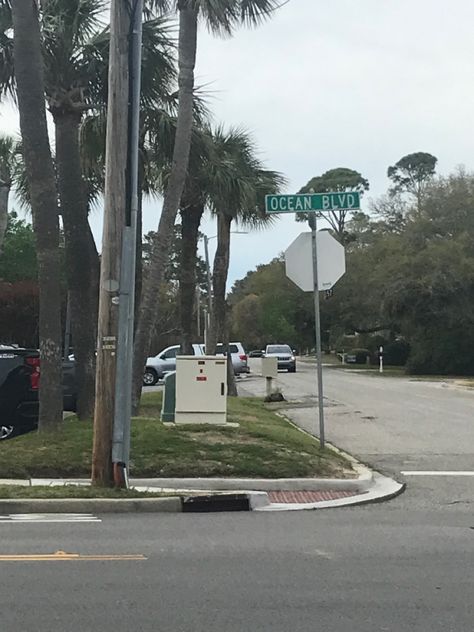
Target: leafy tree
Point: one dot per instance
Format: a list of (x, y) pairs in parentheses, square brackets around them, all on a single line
[(8, 159), (281, 311), (247, 321), (412, 173), (390, 212), (18, 258), (19, 312), (343, 180), (173, 270), (416, 281), (168, 327)]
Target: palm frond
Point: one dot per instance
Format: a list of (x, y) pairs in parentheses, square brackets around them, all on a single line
[(92, 141), (221, 17), (7, 75)]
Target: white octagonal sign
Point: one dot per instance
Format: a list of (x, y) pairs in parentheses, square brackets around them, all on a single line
[(299, 261)]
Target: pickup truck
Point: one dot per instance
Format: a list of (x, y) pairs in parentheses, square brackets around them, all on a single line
[(19, 386)]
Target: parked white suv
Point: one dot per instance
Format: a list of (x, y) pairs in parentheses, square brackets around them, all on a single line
[(239, 356), (157, 366)]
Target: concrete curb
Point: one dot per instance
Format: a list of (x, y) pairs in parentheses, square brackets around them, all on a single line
[(90, 505), (362, 483), (383, 489)]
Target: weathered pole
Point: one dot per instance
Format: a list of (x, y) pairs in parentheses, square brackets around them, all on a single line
[(115, 204)]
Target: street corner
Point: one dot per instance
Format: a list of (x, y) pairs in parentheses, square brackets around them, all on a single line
[(381, 488)]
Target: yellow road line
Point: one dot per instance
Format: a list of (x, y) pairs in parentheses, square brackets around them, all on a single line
[(62, 556)]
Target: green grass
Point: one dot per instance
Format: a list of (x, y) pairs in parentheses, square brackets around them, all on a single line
[(264, 445), (73, 491), (371, 369)]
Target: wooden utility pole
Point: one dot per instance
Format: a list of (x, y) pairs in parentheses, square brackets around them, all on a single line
[(114, 218)]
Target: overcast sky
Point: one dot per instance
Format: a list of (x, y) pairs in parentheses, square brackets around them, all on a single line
[(339, 83)]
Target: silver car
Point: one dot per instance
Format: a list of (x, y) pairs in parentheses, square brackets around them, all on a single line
[(157, 366), (239, 357), (284, 354)]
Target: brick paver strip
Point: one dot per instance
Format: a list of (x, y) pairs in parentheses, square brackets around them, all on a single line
[(307, 496)]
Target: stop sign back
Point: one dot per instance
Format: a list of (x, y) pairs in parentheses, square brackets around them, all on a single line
[(299, 261)]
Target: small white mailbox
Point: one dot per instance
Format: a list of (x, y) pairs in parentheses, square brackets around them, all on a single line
[(270, 367), (201, 390)]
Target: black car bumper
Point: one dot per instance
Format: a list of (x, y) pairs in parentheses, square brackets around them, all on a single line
[(287, 364)]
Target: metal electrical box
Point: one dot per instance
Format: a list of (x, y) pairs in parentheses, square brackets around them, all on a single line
[(169, 398), (201, 390), (270, 367)]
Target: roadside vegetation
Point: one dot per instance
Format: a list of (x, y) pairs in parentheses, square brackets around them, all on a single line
[(263, 445), (409, 282)]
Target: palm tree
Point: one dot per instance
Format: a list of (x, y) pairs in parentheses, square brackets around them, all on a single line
[(222, 17), (75, 50), (29, 76), (223, 173), (239, 195), (66, 27), (8, 158)]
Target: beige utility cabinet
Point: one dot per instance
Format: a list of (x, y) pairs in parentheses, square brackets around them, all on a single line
[(201, 390)]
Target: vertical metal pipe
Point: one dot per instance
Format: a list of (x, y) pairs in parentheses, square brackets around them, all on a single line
[(123, 382), (198, 310), (67, 328), (317, 326), (209, 288)]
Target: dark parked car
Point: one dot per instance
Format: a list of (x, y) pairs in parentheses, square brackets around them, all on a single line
[(256, 353), (19, 383), (19, 386)]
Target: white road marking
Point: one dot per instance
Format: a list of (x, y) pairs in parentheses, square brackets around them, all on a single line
[(52, 517), (437, 473)]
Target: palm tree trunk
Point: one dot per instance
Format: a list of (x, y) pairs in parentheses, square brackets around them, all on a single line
[(149, 312), (219, 330), (4, 197), (79, 266), (190, 222), (29, 74), (219, 281)]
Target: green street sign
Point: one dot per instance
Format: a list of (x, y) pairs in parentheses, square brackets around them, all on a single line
[(308, 202)]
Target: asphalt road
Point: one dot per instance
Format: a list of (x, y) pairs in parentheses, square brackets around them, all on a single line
[(395, 423), (375, 568), (398, 425), (401, 566)]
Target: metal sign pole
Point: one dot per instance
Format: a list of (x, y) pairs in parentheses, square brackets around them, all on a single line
[(123, 380), (317, 325)]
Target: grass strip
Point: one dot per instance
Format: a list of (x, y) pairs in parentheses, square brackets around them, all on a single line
[(264, 445)]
